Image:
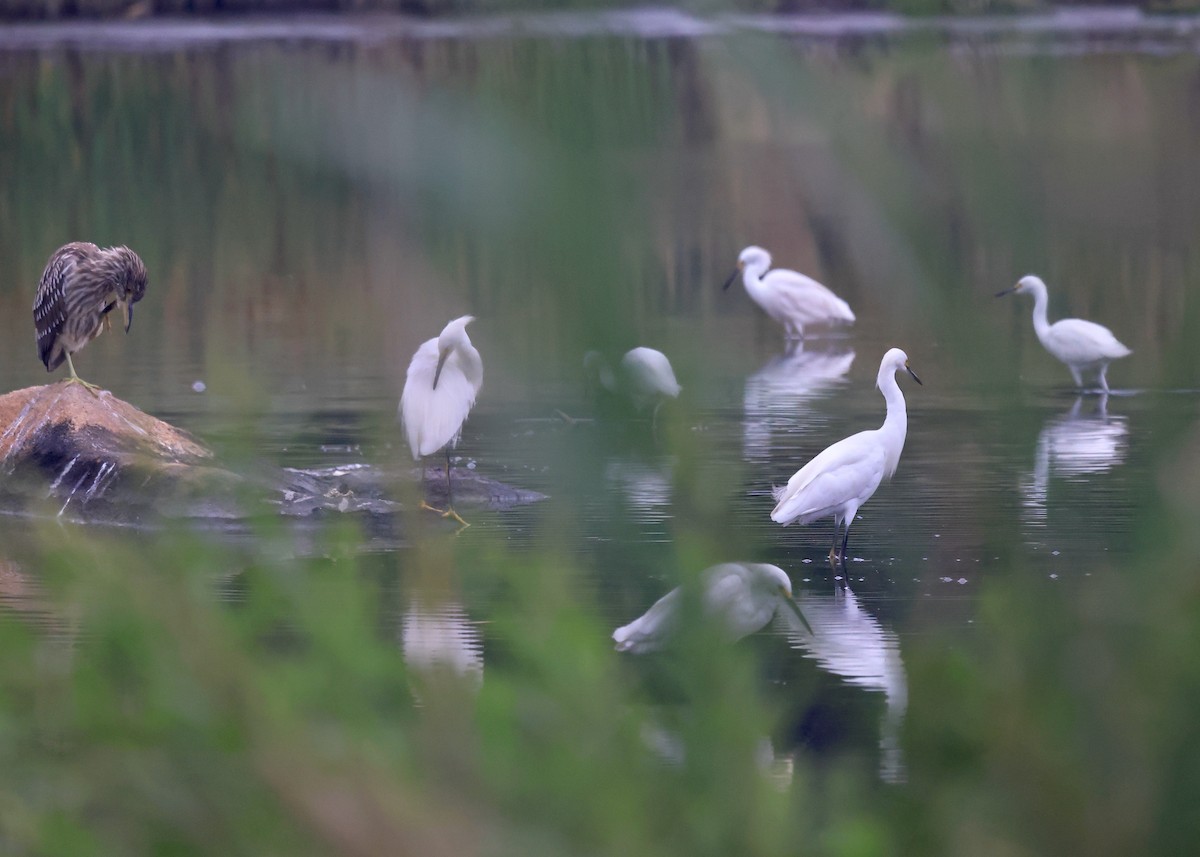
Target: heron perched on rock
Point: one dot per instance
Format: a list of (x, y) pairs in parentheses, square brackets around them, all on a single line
[(443, 379), (81, 285)]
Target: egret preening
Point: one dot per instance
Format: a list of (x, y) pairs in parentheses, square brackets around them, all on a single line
[(790, 298), (844, 476), (1083, 345), (443, 379), (742, 596)]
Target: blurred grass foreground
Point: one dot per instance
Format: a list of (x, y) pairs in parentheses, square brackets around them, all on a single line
[(182, 698)]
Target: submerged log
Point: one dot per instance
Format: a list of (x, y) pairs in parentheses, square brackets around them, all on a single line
[(65, 450)]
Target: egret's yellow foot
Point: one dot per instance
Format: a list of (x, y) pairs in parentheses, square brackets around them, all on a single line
[(428, 508), (450, 513), (566, 418)]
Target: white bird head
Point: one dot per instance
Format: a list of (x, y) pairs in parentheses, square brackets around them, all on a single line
[(754, 259), (776, 580), (893, 361), (1028, 283), (453, 335)]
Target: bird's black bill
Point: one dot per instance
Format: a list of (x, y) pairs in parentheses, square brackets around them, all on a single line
[(127, 310), (732, 277), (914, 374), (1007, 291), (441, 362), (799, 613)]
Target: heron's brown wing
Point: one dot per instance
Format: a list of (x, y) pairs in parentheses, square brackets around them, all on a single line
[(50, 305)]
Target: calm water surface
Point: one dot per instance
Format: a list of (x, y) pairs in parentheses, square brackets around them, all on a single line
[(310, 211)]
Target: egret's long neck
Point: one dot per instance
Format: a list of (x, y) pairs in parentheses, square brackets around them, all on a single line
[(753, 274), (470, 361), (895, 425), (1040, 324)]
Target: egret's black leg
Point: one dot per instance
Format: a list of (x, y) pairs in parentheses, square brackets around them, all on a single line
[(450, 513), (845, 540)]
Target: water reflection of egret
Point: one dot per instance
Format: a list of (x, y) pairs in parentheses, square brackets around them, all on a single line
[(790, 298), (443, 379), (775, 393), (850, 643), (442, 636), (1073, 447), (742, 596), (646, 486), (844, 476), (1083, 345)]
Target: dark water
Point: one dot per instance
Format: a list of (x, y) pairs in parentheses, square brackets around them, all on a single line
[(311, 209)]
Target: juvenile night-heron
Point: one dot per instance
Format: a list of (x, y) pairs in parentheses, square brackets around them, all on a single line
[(81, 285)]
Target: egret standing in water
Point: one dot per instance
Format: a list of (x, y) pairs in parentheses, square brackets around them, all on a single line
[(1083, 345), (844, 476), (790, 298), (443, 379), (645, 377), (742, 596)]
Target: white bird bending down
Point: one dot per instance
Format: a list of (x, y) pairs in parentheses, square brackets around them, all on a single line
[(646, 377), (1082, 345), (443, 379), (844, 476), (742, 596), (790, 298)]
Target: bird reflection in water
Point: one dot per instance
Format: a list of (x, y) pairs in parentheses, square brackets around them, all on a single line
[(848, 642), (784, 384), (440, 637), (1073, 446)]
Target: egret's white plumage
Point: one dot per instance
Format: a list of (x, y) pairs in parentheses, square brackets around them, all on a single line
[(443, 379), (791, 298), (644, 377), (742, 596), (648, 377), (844, 476), (1083, 346)]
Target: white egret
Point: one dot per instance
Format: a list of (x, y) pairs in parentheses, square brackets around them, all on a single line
[(1082, 345), (790, 298), (844, 476), (443, 379), (645, 377), (742, 596)]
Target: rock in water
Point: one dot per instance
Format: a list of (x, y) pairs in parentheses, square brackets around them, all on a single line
[(61, 444)]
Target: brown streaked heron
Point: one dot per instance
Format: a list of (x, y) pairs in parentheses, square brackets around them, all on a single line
[(443, 379), (81, 285)]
